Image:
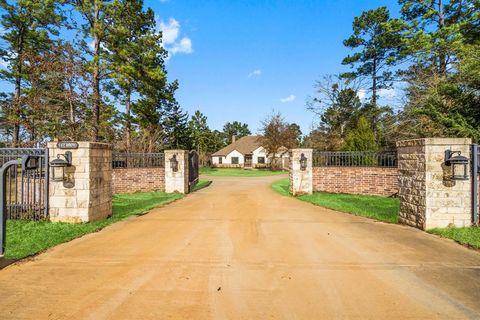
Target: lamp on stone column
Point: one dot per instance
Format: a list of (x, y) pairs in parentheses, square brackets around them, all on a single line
[(58, 165), (458, 163), (174, 163), (303, 162)]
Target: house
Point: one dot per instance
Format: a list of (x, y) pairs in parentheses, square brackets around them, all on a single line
[(247, 152)]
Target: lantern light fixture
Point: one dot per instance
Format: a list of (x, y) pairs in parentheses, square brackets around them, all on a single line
[(303, 162), (458, 163), (174, 163), (58, 165)]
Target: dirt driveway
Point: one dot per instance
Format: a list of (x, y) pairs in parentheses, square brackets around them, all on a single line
[(237, 250)]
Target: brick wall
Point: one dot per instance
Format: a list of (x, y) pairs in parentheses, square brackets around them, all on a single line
[(356, 180), (138, 180)]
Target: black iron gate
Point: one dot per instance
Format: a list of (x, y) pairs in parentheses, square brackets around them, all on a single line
[(475, 152), (192, 170), (24, 183)]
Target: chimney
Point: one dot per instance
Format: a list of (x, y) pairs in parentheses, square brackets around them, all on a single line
[(234, 139)]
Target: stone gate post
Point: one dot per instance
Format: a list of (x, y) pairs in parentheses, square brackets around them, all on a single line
[(428, 196), (301, 181), (86, 193), (176, 181)]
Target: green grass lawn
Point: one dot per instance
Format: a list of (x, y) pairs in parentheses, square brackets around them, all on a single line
[(468, 236), (25, 238), (202, 184), (379, 208), (238, 172)]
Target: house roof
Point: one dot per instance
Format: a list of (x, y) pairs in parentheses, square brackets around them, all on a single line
[(245, 145)]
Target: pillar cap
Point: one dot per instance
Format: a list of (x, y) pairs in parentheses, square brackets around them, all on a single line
[(434, 141)]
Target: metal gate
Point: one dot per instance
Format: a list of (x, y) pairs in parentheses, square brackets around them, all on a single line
[(192, 170), (24, 183), (475, 153)]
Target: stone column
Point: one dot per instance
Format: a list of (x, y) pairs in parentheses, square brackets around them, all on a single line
[(428, 197), (176, 181), (301, 181), (86, 194)]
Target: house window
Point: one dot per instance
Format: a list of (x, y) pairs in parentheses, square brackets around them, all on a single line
[(261, 160), (220, 159), (234, 160)]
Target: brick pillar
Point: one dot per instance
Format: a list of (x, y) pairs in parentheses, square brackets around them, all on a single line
[(86, 195), (176, 181), (301, 181), (428, 197)]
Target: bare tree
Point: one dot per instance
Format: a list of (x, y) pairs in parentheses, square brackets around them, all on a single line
[(277, 134)]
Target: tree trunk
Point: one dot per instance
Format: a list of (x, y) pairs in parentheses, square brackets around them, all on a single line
[(374, 83), (442, 57), (96, 94), (17, 96), (127, 112), (32, 135), (150, 143), (374, 97), (96, 76), (16, 105)]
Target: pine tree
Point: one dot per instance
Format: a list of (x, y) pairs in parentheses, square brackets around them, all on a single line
[(199, 132), (361, 138), (376, 36), (29, 26), (235, 129), (436, 30), (97, 25), (176, 127), (136, 54)]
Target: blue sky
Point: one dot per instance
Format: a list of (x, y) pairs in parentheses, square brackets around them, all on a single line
[(243, 59)]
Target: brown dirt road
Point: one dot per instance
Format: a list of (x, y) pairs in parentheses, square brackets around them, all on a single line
[(237, 250)]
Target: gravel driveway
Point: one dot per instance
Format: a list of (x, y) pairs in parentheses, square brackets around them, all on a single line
[(237, 250)]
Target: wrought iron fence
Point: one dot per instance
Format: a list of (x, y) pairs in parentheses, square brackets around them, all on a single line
[(193, 169), (386, 159), (138, 160), (26, 191)]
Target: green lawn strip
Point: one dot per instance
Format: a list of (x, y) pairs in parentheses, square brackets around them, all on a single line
[(375, 207), (238, 172), (468, 236), (202, 184), (25, 238), (282, 186)]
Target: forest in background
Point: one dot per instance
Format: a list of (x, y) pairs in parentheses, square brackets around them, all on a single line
[(95, 70), (429, 56), (74, 64)]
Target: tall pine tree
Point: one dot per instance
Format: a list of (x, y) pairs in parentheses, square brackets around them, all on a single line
[(29, 26)]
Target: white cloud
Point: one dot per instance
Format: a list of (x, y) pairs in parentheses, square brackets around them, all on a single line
[(4, 64), (255, 73), (171, 31), (387, 93), (290, 98), (183, 46), (362, 93)]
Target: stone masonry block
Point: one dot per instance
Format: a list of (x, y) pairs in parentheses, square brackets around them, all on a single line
[(428, 197), (90, 176)]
